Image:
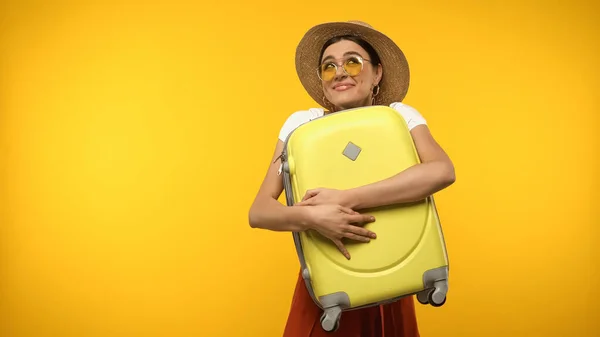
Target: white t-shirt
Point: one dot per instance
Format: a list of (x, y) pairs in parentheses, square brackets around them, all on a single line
[(410, 115)]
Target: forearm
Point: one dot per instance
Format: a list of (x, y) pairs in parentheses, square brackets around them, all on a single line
[(413, 184), (270, 214)]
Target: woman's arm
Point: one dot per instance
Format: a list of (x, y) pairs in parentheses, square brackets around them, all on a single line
[(267, 212), (333, 221), (434, 173)]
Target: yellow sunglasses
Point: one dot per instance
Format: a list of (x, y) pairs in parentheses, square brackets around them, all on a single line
[(352, 66)]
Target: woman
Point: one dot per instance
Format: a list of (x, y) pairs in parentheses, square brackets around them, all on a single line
[(344, 66)]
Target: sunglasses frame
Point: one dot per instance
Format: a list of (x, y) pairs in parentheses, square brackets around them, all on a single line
[(360, 59)]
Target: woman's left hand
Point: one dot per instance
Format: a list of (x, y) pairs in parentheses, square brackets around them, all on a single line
[(322, 196)]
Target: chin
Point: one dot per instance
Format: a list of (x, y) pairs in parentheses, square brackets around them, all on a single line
[(342, 100), (348, 103), (348, 99)]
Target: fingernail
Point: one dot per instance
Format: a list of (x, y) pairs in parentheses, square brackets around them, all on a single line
[(373, 235), (372, 218)]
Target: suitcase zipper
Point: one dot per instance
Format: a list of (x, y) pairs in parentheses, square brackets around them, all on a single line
[(289, 196), (281, 158)]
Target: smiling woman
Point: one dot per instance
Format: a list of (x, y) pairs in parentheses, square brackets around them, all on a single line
[(345, 66), (353, 90)]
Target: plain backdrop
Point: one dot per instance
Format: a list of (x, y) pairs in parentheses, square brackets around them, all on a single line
[(134, 136)]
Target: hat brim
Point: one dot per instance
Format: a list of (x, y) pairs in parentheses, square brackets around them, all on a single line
[(396, 77)]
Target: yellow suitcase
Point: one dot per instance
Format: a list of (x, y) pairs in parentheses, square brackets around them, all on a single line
[(351, 148)]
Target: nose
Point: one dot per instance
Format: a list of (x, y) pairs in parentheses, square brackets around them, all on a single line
[(339, 72)]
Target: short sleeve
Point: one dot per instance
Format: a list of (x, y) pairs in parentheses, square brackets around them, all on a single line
[(293, 121), (412, 117)]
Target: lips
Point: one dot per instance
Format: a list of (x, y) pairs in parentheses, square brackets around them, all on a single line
[(342, 86)]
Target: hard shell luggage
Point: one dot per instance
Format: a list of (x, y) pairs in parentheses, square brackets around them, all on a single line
[(347, 149)]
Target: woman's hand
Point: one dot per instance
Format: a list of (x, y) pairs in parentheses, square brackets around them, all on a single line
[(337, 222), (325, 196)]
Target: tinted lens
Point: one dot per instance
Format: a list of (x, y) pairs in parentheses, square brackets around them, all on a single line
[(353, 66), (328, 71)]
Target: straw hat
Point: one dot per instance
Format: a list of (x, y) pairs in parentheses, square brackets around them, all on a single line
[(395, 80)]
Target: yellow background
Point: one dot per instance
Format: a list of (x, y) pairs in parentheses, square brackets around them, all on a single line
[(133, 137)]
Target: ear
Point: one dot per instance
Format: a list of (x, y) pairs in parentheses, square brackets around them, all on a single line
[(378, 74)]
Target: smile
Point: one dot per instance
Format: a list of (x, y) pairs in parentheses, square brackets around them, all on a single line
[(342, 87)]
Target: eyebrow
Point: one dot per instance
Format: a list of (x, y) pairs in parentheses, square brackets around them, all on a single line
[(345, 54)]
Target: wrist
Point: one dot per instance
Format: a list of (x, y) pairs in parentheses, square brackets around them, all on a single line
[(304, 217), (351, 198)]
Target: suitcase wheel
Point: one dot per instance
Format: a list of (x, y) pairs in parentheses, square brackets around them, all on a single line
[(330, 320), (423, 296), (437, 297)]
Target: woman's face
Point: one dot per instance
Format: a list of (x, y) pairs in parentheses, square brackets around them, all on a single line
[(342, 90)]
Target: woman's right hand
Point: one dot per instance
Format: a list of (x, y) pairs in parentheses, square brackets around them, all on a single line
[(337, 222)]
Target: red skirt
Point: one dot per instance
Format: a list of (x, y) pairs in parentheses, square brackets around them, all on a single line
[(397, 319)]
